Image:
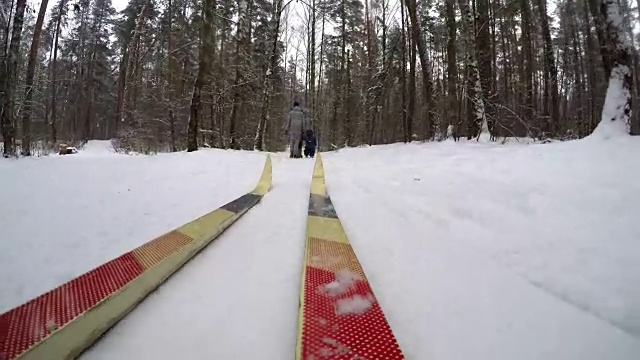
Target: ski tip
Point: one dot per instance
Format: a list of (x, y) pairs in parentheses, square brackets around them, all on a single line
[(264, 184)]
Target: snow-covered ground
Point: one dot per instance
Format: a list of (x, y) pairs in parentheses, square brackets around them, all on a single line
[(474, 250), (64, 215), (499, 252)]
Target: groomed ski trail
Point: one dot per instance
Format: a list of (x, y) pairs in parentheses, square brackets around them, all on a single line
[(245, 285)]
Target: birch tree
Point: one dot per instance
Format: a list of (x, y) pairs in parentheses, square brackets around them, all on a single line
[(617, 106), (474, 86)]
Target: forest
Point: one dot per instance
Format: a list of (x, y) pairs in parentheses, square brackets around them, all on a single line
[(172, 75)]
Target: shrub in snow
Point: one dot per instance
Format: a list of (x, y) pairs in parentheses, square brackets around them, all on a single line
[(66, 150)]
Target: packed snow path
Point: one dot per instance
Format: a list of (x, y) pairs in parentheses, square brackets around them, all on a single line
[(238, 298)]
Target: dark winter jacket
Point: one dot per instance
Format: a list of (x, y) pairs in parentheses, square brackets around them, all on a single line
[(310, 139)]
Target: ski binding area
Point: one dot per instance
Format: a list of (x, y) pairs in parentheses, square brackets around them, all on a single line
[(63, 322)]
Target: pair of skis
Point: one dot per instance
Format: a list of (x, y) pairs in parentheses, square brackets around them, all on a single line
[(339, 317)]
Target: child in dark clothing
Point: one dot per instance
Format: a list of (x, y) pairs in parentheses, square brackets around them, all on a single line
[(309, 143)]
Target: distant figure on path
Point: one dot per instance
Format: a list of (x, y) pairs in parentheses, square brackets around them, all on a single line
[(295, 126)]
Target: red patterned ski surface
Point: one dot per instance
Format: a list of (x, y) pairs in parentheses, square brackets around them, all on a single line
[(350, 325)]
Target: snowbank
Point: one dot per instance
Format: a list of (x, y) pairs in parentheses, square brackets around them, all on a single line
[(63, 215), (499, 252), (615, 116)]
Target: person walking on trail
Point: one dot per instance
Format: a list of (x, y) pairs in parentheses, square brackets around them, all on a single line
[(294, 127)]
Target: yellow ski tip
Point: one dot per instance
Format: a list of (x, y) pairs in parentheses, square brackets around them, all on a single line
[(317, 182), (264, 184)]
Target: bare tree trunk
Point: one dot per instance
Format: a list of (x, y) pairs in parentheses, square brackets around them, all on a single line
[(241, 60), (528, 61), (319, 114), (4, 21), (348, 126), (484, 59), (411, 105), (204, 70), (403, 74), (122, 84), (452, 65), (8, 79), (124, 68), (550, 98), (170, 69), (594, 83), (424, 64), (339, 87), (258, 143), (90, 93), (312, 62), (472, 68), (370, 106), (221, 65), (31, 69), (598, 18), (54, 74)]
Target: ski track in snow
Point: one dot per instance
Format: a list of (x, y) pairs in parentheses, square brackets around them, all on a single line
[(238, 298)]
